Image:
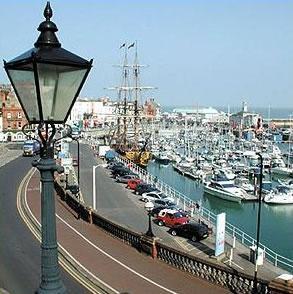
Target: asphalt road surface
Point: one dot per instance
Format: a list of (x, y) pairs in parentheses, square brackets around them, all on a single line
[(19, 250)]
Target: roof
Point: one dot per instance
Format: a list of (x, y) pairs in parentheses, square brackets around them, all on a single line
[(203, 110)]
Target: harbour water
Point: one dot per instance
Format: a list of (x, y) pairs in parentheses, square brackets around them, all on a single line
[(276, 220)]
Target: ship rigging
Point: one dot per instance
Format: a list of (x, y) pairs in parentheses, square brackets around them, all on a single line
[(128, 137)]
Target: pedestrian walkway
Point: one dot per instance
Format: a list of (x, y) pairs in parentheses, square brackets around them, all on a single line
[(116, 267)]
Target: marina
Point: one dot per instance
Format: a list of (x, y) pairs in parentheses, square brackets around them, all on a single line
[(276, 221)]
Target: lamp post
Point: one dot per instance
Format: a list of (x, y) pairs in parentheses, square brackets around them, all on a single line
[(47, 80), (149, 207), (78, 174), (258, 223)]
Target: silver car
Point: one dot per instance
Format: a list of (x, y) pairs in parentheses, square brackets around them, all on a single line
[(124, 179)]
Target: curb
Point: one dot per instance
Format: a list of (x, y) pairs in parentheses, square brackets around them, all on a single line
[(72, 266)]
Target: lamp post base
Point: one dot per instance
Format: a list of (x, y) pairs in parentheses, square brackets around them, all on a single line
[(51, 282), (52, 288)]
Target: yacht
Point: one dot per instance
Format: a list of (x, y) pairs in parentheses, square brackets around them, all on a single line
[(244, 183), (162, 158), (282, 171), (280, 195), (225, 173), (225, 190)]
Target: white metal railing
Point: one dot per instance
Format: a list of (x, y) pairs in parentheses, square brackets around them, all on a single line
[(188, 205)]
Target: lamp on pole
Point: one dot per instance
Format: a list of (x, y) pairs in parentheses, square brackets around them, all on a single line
[(47, 80), (258, 223), (149, 207)]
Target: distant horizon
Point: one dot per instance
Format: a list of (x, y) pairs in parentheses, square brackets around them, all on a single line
[(275, 112)]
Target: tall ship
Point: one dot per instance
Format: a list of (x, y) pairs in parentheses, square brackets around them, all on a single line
[(128, 137)]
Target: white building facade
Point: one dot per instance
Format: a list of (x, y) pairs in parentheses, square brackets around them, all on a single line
[(93, 113)]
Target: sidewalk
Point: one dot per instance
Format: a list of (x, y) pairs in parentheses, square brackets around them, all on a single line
[(117, 267)]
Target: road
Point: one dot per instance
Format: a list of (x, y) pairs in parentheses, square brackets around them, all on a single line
[(19, 250), (113, 201)]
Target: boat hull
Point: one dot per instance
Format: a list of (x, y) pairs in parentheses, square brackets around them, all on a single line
[(140, 158), (222, 194), (282, 172), (278, 200)]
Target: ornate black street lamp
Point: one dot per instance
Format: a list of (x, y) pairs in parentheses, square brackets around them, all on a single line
[(255, 289), (149, 207), (47, 80)]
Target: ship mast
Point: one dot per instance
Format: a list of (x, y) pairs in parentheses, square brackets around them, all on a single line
[(128, 111), (137, 91), (136, 112)]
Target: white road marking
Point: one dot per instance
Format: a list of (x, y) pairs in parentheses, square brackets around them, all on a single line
[(103, 252), (114, 259), (38, 236)]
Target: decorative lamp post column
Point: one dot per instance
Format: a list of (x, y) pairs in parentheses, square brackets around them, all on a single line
[(149, 207), (47, 80)]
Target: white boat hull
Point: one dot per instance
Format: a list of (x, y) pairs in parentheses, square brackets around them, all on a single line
[(222, 194), (279, 199)]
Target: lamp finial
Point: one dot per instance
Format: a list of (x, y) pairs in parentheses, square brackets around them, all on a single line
[(48, 11), (48, 30)]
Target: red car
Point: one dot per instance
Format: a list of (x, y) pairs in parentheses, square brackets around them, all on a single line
[(131, 184), (171, 218)]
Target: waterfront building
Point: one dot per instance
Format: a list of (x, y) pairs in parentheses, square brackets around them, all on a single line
[(151, 109), (92, 113), (244, 119), (202, 114), (13, 118)]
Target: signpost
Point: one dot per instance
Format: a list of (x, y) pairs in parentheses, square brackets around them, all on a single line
[(220, 234)]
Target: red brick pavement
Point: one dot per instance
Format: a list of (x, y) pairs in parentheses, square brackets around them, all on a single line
[(112, 261)]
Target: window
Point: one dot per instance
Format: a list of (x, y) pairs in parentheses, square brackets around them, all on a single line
[(19, 125), (8, 115), (19, 115), (9, 126)]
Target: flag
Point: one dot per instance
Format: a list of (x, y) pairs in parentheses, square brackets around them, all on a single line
[(123, 45), (132, 45)]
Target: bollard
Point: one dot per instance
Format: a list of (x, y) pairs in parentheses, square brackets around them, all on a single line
[(90, 212)]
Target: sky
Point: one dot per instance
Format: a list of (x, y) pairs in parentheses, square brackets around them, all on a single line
[(200, 53)]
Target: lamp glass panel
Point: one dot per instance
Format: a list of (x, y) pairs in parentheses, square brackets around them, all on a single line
[(58, 87), (24, 83)]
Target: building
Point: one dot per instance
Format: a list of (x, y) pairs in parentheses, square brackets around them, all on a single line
[(244, 119), (93, 113), (202, 114), (13, 118), (151, 109)]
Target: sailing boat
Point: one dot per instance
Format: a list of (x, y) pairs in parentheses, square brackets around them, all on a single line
[(128, 132)]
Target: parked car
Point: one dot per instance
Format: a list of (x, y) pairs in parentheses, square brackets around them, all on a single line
[(114, 164), (167, 205), (124, 179), (132, 184), (155, 195), (143, 188), (163, 202), (121, 172), (171, 218), (193, 231), (156, 210)]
